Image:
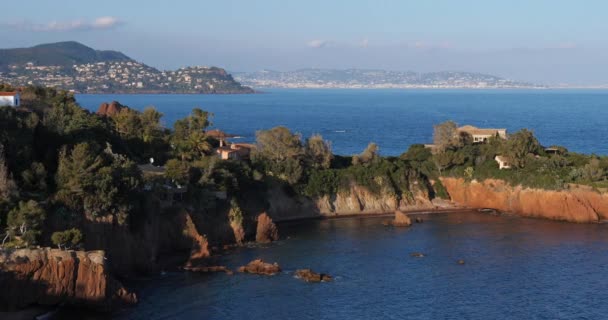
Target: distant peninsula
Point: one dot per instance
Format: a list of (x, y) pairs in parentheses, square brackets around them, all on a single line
[(78, 68), (375, 79)]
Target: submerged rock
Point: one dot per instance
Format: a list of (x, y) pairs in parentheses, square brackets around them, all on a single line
[(311, 276), (266, 231), (209, 269), (401, 220), (258, 266)]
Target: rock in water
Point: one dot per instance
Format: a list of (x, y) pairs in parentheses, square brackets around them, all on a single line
[(460, 261), (258, 266), (209, 269), (266, 231), (401, 219), (310, 276), (417, 254)]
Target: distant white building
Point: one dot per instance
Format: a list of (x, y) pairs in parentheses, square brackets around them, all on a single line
[(11, 99)]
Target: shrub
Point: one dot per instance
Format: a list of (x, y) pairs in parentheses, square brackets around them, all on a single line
[(68, 238)]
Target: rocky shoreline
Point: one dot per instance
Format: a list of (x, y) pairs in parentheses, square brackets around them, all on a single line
[(49, 277), (578, 204)]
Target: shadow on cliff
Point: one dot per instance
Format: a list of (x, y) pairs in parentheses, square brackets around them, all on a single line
[(18, 293)]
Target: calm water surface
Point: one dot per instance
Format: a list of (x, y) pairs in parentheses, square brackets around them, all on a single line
[(515, 268), (394, 119)]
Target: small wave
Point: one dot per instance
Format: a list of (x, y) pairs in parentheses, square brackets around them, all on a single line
[(339, 131)]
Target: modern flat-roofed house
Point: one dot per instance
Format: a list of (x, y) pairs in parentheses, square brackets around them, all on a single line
[(481, 135), (11, 99)]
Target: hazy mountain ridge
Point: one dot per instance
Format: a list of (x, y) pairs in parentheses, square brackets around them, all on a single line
[(368, 78), (74, 66), (58, 54)]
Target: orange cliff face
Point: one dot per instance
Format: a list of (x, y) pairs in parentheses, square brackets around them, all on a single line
[(51, 276), (577, 204)]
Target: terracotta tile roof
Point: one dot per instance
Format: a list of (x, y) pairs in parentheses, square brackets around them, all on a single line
[(8, 94)]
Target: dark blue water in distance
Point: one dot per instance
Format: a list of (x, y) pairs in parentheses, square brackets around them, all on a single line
[(515, 268), (394, 119)]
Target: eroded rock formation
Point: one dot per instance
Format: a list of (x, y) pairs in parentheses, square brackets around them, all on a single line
[(200, 245), (577, 204), (110, 109), (401, 220), (266, 231), (51, 276)]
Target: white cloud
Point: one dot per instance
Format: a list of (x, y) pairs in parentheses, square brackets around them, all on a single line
[(106, 22), (318, 43)]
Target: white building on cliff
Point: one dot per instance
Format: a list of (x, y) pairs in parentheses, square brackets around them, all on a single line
[(11, 99)]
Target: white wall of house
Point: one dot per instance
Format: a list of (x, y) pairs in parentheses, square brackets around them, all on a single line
[(502, 163), (11, 101)]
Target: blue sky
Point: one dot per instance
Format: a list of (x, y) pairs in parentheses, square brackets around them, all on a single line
[(541, 40)]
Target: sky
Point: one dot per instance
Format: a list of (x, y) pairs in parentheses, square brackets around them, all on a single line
[(542, 41)]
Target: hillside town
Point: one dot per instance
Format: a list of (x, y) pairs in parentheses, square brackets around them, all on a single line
[(122, 77), (374, 79)]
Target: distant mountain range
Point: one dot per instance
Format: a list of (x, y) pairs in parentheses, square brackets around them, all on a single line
[(74, 66), (362, 78)]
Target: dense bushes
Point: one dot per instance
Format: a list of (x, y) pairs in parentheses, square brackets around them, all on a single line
[(531, 166)]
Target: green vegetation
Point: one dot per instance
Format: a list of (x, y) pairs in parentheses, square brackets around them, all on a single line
[(58, 54), (62, 168), (67, 239), (531, 165)]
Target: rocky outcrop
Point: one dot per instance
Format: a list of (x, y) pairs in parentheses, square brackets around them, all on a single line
[(576, 204), (200, 246), (239, 232), (258, 266), (266, 231), (311, 276), (401, 220), (52, 277), (110, 109), (355, 200)]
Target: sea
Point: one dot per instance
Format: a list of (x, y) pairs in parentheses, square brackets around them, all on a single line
[(514, 268), (393, 119)]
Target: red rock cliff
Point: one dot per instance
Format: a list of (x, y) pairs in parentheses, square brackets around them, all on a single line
[(52, 276), (110, 109), (577, 204)]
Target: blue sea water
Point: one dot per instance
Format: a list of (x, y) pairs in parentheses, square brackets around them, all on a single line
[(515, 268), (394, 119)]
